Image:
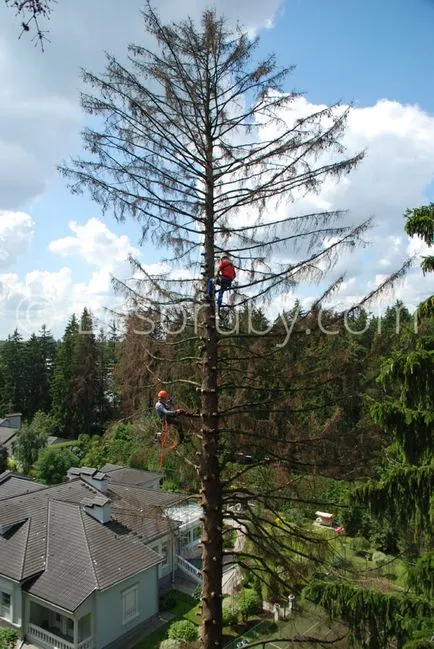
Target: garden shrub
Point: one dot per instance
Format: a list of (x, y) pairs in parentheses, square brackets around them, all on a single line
[(249, 603), (230, 615), (172, 644), (183, 630), (8, 638), (359, 545)]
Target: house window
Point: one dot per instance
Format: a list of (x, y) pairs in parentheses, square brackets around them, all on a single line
[(197, 533), (5, 605), (184, 538), (165, 553), (130, 604)]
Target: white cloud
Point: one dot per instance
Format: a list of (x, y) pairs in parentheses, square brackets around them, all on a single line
[(50, 298), (40, 116), (43, 297), (34, 135), (94, 243), (395, 174), (16, 231)]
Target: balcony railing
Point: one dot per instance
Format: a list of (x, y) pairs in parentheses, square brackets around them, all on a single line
[(53, 641), (188, 568)]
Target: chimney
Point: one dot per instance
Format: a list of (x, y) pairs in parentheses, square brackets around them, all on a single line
[(13, 420), (91, 476), (98, 507)]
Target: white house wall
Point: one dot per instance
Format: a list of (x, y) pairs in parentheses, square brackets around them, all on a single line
[(164, 571), (14, 589), (108, 622)]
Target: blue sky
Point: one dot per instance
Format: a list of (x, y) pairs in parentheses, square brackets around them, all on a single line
[(358, 51), (353, 52)]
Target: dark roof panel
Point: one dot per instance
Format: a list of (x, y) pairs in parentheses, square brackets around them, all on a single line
[(85, 555), (125, 475), (54, 542), (15, 485)]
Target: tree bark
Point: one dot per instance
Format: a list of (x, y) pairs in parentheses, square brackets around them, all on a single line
[(209, 469)]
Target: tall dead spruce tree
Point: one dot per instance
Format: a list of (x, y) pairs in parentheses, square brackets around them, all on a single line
[(184, 147)]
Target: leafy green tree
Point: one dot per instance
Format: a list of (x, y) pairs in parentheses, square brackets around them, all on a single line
[(95, 454), (249, 603), (3, 458), (52, 464), (30, 439), (230, 615)]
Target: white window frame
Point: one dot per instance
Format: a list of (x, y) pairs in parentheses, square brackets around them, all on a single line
[(132, 612), (164, 554), (4, 591)]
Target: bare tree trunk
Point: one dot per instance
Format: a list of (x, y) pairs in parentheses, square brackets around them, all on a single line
[(209, 470)]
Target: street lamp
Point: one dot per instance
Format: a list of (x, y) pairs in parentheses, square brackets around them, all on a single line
[(291, 599), (276, 612)]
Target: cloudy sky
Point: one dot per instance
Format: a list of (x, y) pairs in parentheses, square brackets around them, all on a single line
[(57, 252)]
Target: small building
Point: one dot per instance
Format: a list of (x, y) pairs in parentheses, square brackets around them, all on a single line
[(324, 519)]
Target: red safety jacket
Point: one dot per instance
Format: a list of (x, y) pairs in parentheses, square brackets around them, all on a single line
[(226, 269)]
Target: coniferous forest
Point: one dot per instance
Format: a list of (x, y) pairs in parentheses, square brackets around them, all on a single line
[(315, 409), (355, 411)]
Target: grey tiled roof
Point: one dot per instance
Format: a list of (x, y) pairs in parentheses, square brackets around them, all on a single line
[(142, 496), (12, 484), (139, 511), (33, 507), (53, 542), (125, 475), (86, 556), (95, 500), (6, 434), (13, 550)]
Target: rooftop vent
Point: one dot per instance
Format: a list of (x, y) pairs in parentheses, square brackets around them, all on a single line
[(93, 477), (98, 507)]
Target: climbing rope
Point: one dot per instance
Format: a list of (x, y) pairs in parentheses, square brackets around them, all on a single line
[(168, 440)]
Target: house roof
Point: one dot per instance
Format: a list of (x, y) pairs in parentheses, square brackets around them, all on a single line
[(86, 556), (50, 540), (14, 484), (140, 511), (6, 434), (124, 475)]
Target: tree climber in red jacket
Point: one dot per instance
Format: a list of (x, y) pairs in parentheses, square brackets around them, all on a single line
[(225, 276)]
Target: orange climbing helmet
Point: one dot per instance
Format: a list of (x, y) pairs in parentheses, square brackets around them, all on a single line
[(163, 394)]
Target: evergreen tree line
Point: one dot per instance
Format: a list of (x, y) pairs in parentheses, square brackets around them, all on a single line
[(89, 379), (72, 380)]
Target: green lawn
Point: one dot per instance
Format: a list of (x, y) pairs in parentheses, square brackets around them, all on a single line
[(394, 572), (308, 621), (185, 608)]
